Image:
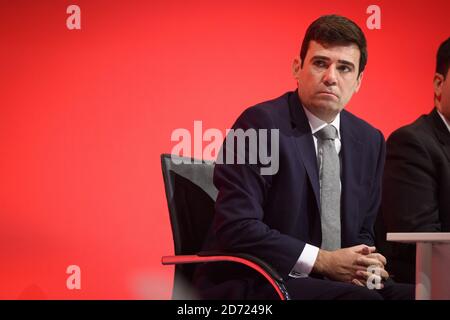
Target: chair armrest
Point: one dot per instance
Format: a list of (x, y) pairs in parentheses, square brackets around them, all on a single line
[(267, 267), (206, 257)]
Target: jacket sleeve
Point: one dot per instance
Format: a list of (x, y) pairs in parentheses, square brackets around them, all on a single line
[(239, 211), (410, 188), (366, 235)]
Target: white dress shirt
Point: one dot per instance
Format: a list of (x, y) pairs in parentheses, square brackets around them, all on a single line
[(447, 122), (308, 257)]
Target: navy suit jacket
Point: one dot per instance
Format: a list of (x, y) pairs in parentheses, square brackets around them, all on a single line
[(416, 187), (273, 216)]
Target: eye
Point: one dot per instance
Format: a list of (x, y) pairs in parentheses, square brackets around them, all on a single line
[(320, 63), (344, 68)]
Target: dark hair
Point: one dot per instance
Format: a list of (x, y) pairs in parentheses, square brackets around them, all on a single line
[(443, 58), (335, 30)]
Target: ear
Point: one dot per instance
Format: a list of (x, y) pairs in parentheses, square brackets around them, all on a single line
[(296, 67), (358, 81), (438, 81)]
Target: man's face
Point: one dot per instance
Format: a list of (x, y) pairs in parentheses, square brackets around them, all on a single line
[(442, 94), (328, 78)]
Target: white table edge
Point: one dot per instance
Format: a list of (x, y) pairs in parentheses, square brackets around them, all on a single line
[(442, 237)]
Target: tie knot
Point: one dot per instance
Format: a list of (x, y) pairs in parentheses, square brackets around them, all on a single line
[(329, 132)]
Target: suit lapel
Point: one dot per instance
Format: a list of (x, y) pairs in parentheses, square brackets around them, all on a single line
[(351, 159), (442, 132), (304, 142)]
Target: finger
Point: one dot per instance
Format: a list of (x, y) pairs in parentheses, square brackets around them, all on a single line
[(359, 248), (361, 280), (382, 258), (361, 274), (384, 274), (366, 261), (367, 250), (379, 274), (366, 275), (358, 283), (359, 267), (377, 256)]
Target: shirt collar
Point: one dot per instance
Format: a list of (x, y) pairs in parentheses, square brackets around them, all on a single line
[(447, 123), (317, 124)]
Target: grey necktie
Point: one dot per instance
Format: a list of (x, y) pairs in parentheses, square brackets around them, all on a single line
[(330, 190)]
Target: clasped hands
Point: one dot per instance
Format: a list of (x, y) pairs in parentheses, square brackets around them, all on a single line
[(355, 265)]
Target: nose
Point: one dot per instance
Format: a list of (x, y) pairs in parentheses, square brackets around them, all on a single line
[(329, 78)]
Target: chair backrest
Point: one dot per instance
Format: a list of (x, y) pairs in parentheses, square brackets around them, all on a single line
[(191, 196)]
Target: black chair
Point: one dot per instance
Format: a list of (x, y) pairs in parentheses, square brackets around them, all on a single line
[(190, 197)]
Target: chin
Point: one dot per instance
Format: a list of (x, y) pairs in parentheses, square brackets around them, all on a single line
[(330, 107)]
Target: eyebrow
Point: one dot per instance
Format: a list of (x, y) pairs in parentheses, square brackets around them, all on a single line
[(348, 63)]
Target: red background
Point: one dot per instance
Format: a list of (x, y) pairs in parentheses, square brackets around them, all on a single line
[(85, 114)]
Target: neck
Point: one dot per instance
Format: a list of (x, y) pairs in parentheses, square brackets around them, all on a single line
[(328, 117)]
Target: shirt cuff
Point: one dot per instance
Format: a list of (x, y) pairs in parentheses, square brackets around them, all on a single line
[(305, 262)]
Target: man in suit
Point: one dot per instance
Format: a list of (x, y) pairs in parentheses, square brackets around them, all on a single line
[(416, 182), (312, 220)]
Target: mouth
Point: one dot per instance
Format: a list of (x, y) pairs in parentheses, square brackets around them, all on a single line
[(327, 93)]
